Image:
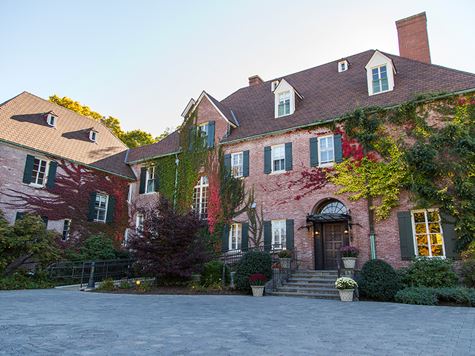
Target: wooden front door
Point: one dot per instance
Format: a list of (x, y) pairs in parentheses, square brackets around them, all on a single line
[(334, 238)]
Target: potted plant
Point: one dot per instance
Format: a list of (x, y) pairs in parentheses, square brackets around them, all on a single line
[(348, 255), (285, 257), (346, 287), (257, 282)]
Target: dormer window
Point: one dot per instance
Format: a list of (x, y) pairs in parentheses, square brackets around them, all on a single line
[(342, 66), (93, 135), (380, 79), (51, 120), (284, 104)]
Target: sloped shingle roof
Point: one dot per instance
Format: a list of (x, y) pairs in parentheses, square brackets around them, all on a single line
[(168, 145)]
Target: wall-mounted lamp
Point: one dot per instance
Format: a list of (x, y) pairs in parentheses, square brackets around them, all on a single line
[(317, 232), (346, 231)]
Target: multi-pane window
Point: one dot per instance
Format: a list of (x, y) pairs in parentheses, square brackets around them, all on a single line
[(278, 158), (428, 235), (326, 150), (284, 104), (380, 79), (100, 207), (139, 223), (237, 164), (235, 236), (278, 234), (38, 176), (200, 198), (150, 179), (66, 229)]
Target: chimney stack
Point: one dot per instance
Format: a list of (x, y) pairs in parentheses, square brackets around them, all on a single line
[(255, 80), (413, 38)]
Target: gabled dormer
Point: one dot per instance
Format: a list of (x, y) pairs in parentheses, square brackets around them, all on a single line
[(51, 118), (380, 72), (284, 98)]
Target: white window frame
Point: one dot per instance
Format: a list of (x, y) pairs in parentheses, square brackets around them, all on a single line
[(284, 98), (342, 66), (130, 193), (428, 233), (139, 221), (279, 242), (380, 80), (34, 179), (93, 136), (237, 169), (97, 209), (274, 157), (150, 176), (200, 198), (66, 229), (51, 120), (235, 237), (320, 151)]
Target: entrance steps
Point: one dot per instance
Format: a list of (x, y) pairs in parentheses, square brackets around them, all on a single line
[(310, 284)]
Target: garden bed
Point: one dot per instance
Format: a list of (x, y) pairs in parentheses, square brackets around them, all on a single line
[(174, 290)]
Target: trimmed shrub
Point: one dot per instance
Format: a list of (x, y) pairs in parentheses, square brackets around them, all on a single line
[(378, 281), (107, 285), (213, 273), (250, 263), (457, 295), (430, 272), (414, 295), (468, 273), (20, 280)]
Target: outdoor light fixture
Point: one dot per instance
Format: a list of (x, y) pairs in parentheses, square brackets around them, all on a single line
[(317, 232), (137, 282), (346, 231)]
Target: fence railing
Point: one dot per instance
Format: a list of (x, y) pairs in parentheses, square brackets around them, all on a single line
[(83, 272)]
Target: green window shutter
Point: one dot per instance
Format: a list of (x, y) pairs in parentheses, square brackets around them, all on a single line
[(267, 159), (191, 137), (450, 237), (225, 239), (289, 232), (313, 151), (267, 235), (143, 177), (27, 173), (338, 148), (19, 215), (53, 166), (245, 163), (110, 209), (406, 238), (156, 180), (245, 237), (227, 163), (288, 156), (92, 206), (210, 138)]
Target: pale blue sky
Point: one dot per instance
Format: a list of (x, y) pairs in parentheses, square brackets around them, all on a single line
[(141, 61)]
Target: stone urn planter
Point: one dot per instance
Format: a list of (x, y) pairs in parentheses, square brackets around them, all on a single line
[(257, 291), (346, 287), (349, 262), (285, 258)]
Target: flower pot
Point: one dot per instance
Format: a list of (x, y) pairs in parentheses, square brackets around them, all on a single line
[(349, 262), (346, 295), (285, 262), (257, 291)]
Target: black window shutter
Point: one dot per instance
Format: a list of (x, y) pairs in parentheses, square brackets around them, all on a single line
[(53, 166), (156, 180), (92, 207), (288, 156), (267, 235), (227, 163), (313, 151), (19, 215), (210, 138), (450, 237), (110, 209), (245, 237), (225, 239), (27, 173), (267, 159), (289, 232), (337, 146), (406, 238), (245, 163), (143, 177)]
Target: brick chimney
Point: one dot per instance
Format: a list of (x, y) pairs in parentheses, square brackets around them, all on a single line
[(255, 80), (413, 38)]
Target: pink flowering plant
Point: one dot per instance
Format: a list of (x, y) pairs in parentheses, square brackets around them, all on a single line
[(349, 251)]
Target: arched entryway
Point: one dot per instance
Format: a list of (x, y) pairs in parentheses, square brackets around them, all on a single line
[(331, 224)]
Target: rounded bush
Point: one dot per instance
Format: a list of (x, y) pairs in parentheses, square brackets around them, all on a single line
[(250, 263), (430, 272), (414, 295), (379, 281)]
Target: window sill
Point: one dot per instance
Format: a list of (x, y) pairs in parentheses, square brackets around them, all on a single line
[(326, 165), (38, 186), (277, 172), (100, 221), (380, 92)]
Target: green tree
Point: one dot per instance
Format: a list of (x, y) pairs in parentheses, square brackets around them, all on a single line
[(137, 138)]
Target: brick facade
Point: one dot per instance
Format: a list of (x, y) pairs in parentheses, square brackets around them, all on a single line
[(413, 38)]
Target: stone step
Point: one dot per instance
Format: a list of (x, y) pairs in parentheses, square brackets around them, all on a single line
[(311, 280), (310, 285), (308, 290), (307, 295)]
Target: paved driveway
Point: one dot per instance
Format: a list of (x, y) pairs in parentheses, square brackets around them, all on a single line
[(52, 322)]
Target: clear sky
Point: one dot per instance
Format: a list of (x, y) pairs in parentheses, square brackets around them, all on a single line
[(141, 61)]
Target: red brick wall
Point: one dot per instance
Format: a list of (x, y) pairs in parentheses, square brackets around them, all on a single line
[(207, 112), (413, 38)]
